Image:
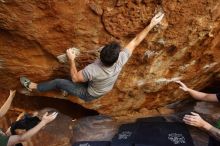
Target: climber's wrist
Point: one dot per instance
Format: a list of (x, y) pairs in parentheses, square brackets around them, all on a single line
[(72, 62), (151, 25), (72, 59)]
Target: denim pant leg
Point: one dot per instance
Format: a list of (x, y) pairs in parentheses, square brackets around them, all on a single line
[(75, 89)]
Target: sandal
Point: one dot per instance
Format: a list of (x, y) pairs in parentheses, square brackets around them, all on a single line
[(25, 82)]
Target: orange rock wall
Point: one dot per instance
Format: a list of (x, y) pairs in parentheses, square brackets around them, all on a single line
[(185, 46)]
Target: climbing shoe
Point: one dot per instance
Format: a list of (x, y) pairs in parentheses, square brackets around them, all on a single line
[(25, 82)]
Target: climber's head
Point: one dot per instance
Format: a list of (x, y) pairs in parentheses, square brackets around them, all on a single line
[(109, 54)]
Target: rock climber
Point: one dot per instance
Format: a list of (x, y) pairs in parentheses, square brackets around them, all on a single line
[(195, 120), (11, 140), (97, 78)]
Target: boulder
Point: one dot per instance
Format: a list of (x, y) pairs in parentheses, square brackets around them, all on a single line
[(185, 46)]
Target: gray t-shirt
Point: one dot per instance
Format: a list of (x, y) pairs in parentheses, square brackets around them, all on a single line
[(101, 78)]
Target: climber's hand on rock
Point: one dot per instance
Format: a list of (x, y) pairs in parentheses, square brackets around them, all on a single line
[(182, 86), (194, 120), (71, 55), (49, 118), (12, 93), (157, 19)]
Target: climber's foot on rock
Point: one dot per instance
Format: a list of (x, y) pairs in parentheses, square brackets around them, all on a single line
[(25, 82)]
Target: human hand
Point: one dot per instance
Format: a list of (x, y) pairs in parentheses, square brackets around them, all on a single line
[(70, 54), (49, 118), (195, 120), (157, 18), (12, 93), (182, 86)]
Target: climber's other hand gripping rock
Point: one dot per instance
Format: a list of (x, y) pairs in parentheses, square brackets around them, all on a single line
[(70, 54)]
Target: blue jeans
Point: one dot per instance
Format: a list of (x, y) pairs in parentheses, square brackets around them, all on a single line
[(75, 89)]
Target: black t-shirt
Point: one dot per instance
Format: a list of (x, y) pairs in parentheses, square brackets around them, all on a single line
[(27, 123), (213, 142), (218, 96)]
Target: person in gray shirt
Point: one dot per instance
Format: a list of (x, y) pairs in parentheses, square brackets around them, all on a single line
[(98, 78)]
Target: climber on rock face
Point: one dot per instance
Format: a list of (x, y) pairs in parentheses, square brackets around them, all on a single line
[(195, 120), (11, 140), (97, 78)]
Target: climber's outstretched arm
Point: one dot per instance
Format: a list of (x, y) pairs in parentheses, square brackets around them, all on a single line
[(140, 37), (7, 104), (75, 75)]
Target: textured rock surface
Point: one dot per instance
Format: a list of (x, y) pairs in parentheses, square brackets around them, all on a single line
[(185, 46)]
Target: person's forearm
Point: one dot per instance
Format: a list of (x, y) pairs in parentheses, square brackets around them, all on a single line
[(139, 38), (215, 132), (32, 131), (6, 106), (196, 94), (73, 71)]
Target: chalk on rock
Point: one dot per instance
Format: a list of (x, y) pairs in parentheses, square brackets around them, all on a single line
[(63, 57), (161, 41), (166, 81)]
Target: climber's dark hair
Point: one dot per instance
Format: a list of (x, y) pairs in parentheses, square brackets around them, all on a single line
[(109, 53)]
